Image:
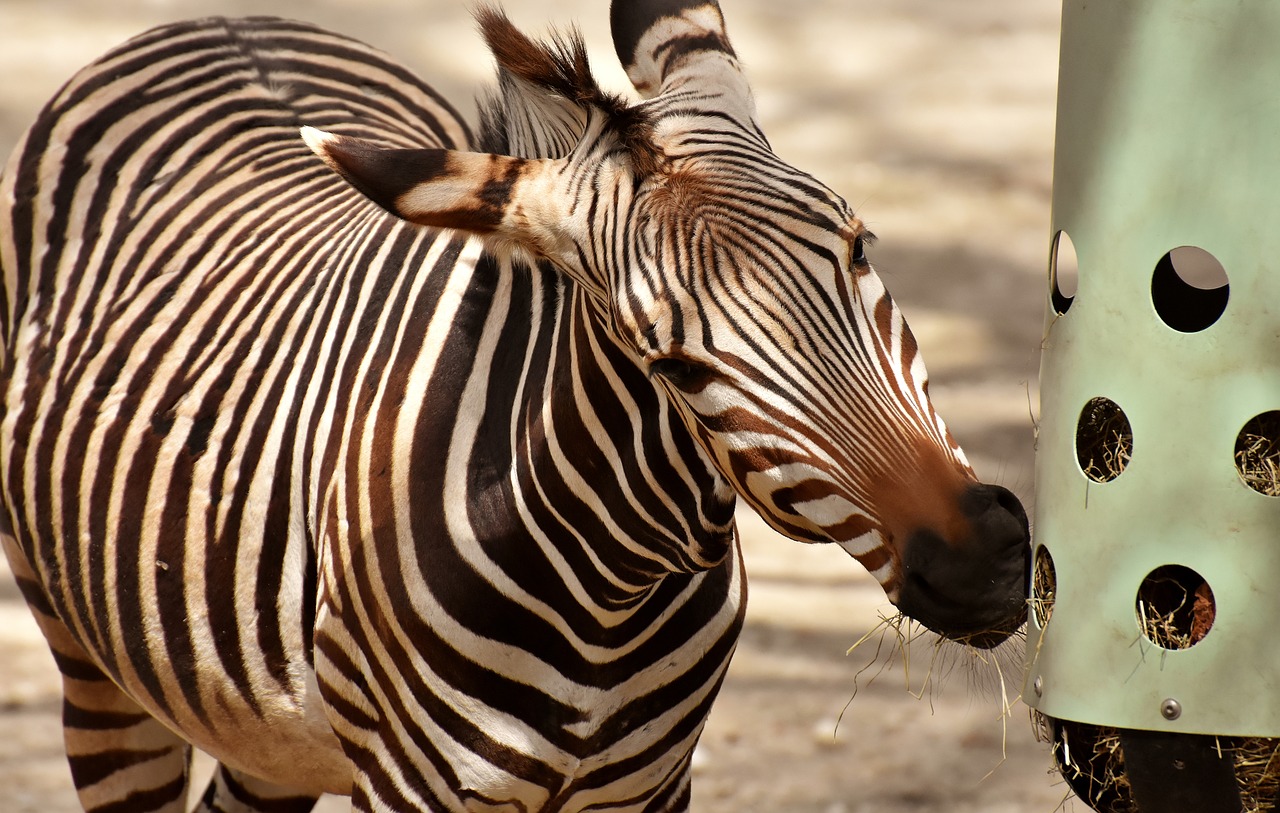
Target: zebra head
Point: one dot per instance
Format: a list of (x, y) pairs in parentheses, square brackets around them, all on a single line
[(739, 284)]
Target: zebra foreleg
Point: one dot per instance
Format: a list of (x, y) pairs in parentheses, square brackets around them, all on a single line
[(676, 795), (121, 757), (231, 791)]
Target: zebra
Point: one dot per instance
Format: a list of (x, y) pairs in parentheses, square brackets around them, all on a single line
[(375, 458)]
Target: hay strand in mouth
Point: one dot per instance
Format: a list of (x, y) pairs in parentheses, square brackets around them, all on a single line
[(894, 637), (900, 632)]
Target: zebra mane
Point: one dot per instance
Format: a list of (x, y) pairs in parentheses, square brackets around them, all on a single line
[(532, 74)]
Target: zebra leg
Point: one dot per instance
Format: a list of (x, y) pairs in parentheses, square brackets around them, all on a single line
[(121, 757), (231, 791), (676, 795)]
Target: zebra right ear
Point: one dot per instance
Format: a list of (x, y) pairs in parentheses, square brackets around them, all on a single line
[(663, 44)]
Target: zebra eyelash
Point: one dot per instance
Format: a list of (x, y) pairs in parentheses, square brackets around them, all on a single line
[(683, 373), (858, 249)]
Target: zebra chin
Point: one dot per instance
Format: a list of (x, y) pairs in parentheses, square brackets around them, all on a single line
[(971, 590)]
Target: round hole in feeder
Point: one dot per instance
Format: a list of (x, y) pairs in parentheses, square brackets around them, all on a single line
[(1044, 586), (1176, 607), (1064, 272), (1104, 440), (1189, 289), (1258, 453)]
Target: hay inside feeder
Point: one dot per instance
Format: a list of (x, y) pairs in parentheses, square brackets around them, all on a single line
[(1091, 759), (1104, 440), (1175, 607), (1258, 453), (1044, 586)]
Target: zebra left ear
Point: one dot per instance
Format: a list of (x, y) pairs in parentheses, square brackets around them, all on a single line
[(513, 199)]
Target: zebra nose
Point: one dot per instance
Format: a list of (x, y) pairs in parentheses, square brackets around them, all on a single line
[(973, 589)]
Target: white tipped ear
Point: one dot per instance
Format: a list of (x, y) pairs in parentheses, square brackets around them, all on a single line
[(431, 187), (518, 201), (316, 139)]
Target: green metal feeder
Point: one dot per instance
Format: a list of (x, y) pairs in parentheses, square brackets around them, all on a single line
[(1156, 597)]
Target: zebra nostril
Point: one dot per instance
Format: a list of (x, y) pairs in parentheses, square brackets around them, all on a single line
[(995, 511)]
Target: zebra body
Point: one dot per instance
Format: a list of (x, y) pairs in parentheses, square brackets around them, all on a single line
[(412, 494)]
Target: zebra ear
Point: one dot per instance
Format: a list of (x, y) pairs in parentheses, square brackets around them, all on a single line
[(447, 189), (512, 199), (665, 43)]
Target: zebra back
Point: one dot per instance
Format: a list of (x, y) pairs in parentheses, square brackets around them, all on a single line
[(188, 115), (180, 276)]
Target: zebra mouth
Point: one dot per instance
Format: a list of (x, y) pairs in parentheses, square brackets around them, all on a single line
[(992, 638), (983, 627)]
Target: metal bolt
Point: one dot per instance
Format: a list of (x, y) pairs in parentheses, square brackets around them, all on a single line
[(1039, 686), (1171, 709)]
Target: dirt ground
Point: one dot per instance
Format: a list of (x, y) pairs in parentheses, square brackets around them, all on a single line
[(935, 120)]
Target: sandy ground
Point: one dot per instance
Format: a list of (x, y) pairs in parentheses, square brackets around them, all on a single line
[(935, 119)]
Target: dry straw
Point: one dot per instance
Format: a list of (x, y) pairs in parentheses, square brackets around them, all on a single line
[(1104, 440), (1092, 761), (1258, 454)]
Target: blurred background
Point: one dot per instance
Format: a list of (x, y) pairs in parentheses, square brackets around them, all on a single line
[(934, 119)]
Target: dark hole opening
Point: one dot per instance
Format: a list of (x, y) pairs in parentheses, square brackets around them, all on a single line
[(1064, 273), (1189, 289)]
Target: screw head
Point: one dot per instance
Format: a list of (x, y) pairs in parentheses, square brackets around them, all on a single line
[(1170, 709), (1038, 686)]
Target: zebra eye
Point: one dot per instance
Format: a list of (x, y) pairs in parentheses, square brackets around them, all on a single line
[(683, 373), (859, 251)]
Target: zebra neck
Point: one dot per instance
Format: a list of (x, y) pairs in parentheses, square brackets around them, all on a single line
[(574, 459)]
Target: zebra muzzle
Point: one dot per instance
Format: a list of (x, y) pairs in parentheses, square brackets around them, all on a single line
[(972, 590)]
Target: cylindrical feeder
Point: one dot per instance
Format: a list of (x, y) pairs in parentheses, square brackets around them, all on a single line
[(1154, 637)]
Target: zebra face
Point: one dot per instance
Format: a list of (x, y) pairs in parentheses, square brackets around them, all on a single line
[(740, 286), (801, 379)]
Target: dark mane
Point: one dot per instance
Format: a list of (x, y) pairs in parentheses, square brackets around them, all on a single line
[(558, 68)]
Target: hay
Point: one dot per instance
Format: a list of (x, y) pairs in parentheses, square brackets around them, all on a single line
[(1091, 759), (1258, 454), (1257, 762), (1044, 587), (1175, 607), (1104, 440)]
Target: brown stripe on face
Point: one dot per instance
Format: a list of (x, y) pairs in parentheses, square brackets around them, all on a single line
[(875, 559), (923, 492)]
